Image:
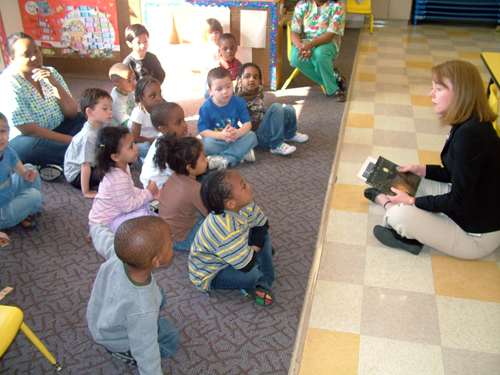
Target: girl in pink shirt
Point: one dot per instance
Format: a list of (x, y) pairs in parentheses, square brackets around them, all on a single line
[(118, 200)]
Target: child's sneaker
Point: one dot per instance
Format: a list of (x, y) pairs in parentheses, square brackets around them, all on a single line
[(341, 80), (250, 156), (261, 296), (154, 205), (31, 221), (283, 149), (50, 172), (299, 138), (124, 357), (217, 162)]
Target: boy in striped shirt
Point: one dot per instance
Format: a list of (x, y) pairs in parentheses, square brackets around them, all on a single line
[(232, 249)]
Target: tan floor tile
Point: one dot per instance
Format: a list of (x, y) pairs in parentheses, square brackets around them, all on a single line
[(392, 87), (347, 173), (458, 33), (393, 109), (342, 263), (424, 112), (451, 55), (429, 157), (363, 96), (337, 307), (466, 362), (421, 100), (346, 227), (417, 72), (359, 136), (431, 142), (383, 315), (431, 126), (385, 356), (397, 123), (389, 268), (392, 98), (389, 78), (368, 77), (391, 63), (419, 58), (390, 138), (362, 86), (397, 155), (352, 153), (471, 279), (468, 324), (358, 120), (368, 48), (428, 65), (327, 352), (415, 40), (349, 198), (362, 107), (470, 55)]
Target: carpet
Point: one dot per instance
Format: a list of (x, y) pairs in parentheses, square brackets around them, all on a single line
[(52, 268)]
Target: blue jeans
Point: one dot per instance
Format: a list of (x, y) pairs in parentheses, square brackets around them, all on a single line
[(26, 198), (278, 124), (320, 66), (233, 151), (143, 149), (186, 244), (262, 273), (168, 335), (41, 151)]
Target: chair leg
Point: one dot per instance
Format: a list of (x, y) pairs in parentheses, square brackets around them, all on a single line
[(29, 333), (371, 23), (290, 79), (324, 90)]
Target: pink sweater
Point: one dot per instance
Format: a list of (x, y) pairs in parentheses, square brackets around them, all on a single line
[(117, 195)]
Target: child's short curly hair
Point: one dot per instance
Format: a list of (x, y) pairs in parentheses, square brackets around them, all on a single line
[(138, 240), (214, 190)]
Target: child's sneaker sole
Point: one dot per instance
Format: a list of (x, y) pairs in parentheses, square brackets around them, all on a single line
[(299, 138), (124, 357), (50, 172), (249, 156), (261, 296)]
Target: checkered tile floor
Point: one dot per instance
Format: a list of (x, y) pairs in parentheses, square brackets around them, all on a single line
[(378, 310)]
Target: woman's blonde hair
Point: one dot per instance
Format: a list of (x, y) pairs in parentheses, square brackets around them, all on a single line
[(469, 96)]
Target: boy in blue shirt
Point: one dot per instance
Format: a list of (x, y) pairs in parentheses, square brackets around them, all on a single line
[(20, 192), (219, 126), (123, 309)]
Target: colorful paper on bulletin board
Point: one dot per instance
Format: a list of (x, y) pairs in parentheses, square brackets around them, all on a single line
[(3, 40), (73, 24)]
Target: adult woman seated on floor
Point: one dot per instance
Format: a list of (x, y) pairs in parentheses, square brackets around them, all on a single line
[(461, 219), (41, 112), (316, 34)]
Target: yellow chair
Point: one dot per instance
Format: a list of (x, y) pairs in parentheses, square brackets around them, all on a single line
[(494, 105), (364, 8), (288, 50), (11, 320)]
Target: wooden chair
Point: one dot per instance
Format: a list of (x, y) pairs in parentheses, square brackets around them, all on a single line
[(11, 320), (288, 50), (493, 99), (365, 7)]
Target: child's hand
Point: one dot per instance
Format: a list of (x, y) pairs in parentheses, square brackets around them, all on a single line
[(30, 175), (90, 194), (230, 134), (152, 187), (158, 195)]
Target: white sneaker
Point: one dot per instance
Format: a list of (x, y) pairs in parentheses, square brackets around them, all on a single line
[(283, 149), (217, 162), (250, 156), (298, 137)]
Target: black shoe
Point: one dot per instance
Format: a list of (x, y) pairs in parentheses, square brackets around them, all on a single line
[(389, 237), (372, 193), (124, 357), (339, 96), (50, 172), (341, 80)]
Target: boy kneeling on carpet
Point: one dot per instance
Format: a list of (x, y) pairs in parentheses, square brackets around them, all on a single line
[(232, 249), (123, 310)]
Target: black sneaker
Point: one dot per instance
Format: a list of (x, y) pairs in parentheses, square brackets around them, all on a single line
[(124, 357), (50, 172), (31, 221), (389, 237)]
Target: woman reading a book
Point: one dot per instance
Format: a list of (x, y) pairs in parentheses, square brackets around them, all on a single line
[(456, 209)]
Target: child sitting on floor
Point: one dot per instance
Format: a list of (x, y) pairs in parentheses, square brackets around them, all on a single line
[(180, 203), (274, 126), (122, 94), (142, 62), (147, 95), (118, 200), (232, 249), (218, 124), (166, 118), (20, 192), (227, 50), (79, 161), (123, 309)]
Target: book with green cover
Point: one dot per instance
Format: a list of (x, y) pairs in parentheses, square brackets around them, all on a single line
[(386, 174)]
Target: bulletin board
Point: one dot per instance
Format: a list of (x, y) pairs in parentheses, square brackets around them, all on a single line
[(82, 27), (3, 38)]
